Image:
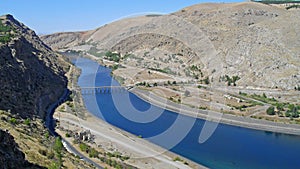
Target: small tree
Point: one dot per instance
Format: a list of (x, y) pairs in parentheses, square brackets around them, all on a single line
[(279, 106), (271, 111)]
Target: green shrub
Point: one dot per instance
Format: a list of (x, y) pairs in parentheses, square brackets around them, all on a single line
[(5, 35), (68, 135), (58, 145), (27, 121), (83, 147), (47, 135), (13, 121), (177, 159), (271, 111), (5, 38), (113, 56), (93, 153), (54, 166)]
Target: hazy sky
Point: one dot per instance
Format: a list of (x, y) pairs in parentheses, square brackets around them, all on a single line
[(49, 16)]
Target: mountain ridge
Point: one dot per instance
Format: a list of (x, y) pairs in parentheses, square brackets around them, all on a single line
[(254, 41)]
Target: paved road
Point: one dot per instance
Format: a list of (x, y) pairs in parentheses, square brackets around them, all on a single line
[(50, 125), (72, 150)]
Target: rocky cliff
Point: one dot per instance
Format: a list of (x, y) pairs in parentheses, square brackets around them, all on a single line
[(256, 42), (32, 75)]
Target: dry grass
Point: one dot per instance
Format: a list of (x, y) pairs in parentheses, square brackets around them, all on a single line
[(34, 141)]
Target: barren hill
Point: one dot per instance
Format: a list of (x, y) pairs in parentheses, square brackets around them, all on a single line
[(258, 43)]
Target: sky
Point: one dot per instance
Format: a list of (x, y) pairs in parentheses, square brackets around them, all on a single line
[(50, 16)]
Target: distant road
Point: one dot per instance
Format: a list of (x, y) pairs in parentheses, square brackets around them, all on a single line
[(241, 121), (50, 125)]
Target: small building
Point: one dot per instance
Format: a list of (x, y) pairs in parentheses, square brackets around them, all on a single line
[(85, 135)]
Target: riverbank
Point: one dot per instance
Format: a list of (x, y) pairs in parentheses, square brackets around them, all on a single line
[(230, 146), (240, 121), (107, 138), (141, 153), (245, 121)]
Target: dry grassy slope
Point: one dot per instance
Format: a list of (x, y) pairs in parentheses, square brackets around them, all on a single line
[(30, 146), (257, 42), (32, 75)]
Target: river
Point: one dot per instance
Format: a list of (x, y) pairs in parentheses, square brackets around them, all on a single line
[(228, 147)]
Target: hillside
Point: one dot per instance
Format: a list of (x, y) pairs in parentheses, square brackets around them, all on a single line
[(32, 78), (32, 75), (256, 42)]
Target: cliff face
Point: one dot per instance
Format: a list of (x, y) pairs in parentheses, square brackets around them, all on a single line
[(257, 42), (32, 75)]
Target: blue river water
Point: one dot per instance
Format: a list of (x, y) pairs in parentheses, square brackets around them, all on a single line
[(228, 147)]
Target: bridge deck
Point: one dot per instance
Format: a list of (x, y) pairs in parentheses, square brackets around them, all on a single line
[(97, 87), (104, 89)]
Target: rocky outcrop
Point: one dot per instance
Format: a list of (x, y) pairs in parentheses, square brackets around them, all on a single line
[(32, 75)]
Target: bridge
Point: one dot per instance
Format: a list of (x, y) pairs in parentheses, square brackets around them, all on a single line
[(104, 89)]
